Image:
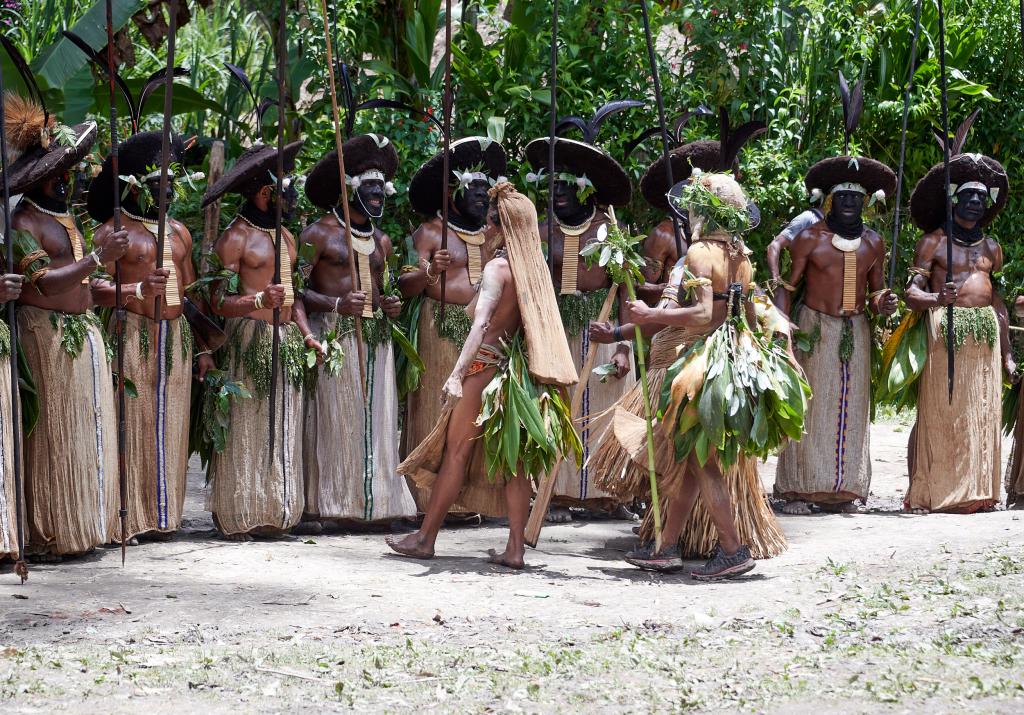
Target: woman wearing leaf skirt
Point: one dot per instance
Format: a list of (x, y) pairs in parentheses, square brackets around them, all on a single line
[(504, 402)]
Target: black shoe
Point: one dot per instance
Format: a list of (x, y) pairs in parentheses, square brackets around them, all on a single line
[(721, 566), (667, 560)]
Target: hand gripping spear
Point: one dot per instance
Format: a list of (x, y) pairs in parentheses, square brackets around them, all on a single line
[(447, 132), (898, 214), (119, 313), (275, 339), (950, 367), (666, 151), (20, 566), (344, 200), (165, 152)]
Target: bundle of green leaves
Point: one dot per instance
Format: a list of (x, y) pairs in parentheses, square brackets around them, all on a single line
[(903, 359), (526, 427), (735, 390)]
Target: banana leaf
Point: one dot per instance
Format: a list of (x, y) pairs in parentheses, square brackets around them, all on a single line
[(409, 372), (903, 359)]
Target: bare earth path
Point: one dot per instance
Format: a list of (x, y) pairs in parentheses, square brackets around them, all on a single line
[(870, 613)]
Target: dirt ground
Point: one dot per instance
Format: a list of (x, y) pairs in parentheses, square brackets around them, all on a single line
[(877, 612)]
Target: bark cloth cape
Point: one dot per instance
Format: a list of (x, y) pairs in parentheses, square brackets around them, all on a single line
[(439, 342), (354, 475), (549, 359), (832, 463), (954, 452), (589, 166), (245, 494)]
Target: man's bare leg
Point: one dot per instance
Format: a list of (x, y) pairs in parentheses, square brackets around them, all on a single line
[(459, 444), (518, 491), (679, 511), (718, 501)]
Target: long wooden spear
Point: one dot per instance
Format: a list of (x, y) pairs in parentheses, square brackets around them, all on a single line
[(553, 87), (275, 339), (666, 144), (950, 364), (165, 155), (21, 565), (639, 342), (447, 131), (338, 143), (119, 313), (898, 214)]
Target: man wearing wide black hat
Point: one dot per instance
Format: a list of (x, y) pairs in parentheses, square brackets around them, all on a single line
[(351, 445), (587, 182), (659, 249), (475, 164), (954, 453), (251, 494), (71, 457), (157, 355), (842, 264)]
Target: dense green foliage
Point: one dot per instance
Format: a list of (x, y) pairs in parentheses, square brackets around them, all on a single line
[(773, 60)]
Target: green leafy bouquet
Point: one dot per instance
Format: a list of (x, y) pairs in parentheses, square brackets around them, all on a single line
[(525, 426), (735, 390)]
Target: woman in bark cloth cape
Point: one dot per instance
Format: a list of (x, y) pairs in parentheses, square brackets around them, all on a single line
[(505, 404), (587, 181), (253, 491), (353, 475), (476, 163), (71, 465), (954, 451), (707, 314)]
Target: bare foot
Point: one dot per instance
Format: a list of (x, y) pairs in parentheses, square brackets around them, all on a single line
[(411, 546), (45, 557), (1017, 505), (558, 515), (237, 537), (796, 508), (846, 507), (917, 511), (308, 528), (512, 561), (621, 513)]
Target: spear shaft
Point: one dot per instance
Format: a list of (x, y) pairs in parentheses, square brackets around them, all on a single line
[(446, 160), (645, 388), (344, 200), (119, 314), (275, 339), (165, 154), (903, 146), (666, 143), (950, 365), (21, 565), (553, 85)]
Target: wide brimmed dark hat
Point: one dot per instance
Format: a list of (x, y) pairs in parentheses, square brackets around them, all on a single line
[(40, 164), (362, 153), (136, 156), (928, 202), (425, 187), (873, 175), (611, 182), (705, 155), (254, 169)]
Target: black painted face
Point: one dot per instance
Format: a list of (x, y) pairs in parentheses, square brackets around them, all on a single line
[(290, 199), (847, 206), (370, 198), (153, 185), (970, 205), (56, 187), (471, 202), (568, 207)]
